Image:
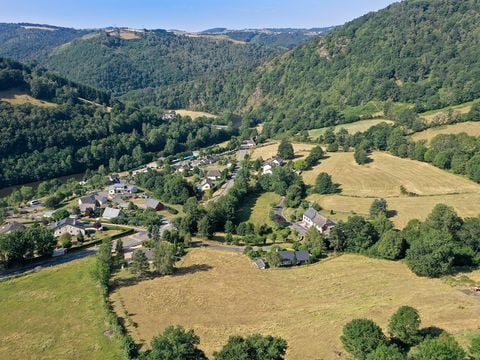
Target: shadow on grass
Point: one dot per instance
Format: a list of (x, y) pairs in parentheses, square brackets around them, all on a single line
[(247, 206), (192, 269)]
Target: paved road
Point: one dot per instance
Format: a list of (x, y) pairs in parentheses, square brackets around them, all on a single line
[(73, 255)]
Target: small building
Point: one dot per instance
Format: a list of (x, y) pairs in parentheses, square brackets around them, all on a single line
[(311, 217), (289, 258), (121, 188), (67, 226), (154, 204), (268, 166), (267, 169), (260, 264), (248, 144), (214, 175), (11, 227), (101, 199), (111, 213), (114, 178), (205, 184), (120, 202), (128, 255)]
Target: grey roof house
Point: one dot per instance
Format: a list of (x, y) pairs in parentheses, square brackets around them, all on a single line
[(290, 258), (311, 217), (154, 204), (111, 213), (10, 227), (67, 225)]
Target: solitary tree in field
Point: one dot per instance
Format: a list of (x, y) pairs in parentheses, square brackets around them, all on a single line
[(140, 264), (285, 150), (324, 184), (378, 206), (405, 325), (176, 344), (164, 255), (361, 337)]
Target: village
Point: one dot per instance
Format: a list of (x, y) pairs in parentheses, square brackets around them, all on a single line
[(124, 210)]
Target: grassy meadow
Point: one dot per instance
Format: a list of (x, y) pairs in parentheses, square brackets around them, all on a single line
[(383, 177), (219, 294), (461, 109), (256, 208), (193, 114), (352, 128), (270, 150), (56, 313), (16, 97), (471, 128)]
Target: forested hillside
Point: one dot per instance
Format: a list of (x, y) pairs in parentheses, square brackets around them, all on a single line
[(157, 66), (417, 51), (43, 142), (24, 42)]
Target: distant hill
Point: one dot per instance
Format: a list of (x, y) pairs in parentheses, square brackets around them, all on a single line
[(24, 41), (281, 37), (420, 52)]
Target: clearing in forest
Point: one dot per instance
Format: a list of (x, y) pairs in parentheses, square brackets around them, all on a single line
[(17, 97), (56, 313), (219, 294), (193, 114), (352, 128), (471, 128)]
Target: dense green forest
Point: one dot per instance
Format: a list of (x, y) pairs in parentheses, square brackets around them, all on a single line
[(417, 51), (24, 42), (159, 66), (39, 143)]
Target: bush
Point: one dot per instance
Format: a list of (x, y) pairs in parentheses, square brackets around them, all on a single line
[(361, 337)]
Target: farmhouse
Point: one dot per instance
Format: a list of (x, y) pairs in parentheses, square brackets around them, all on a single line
[(121, 188), (248, 144), (214, 175), (289, 258), (101, 199), (154, 204), (205, 184), (10, 227), (311, 217), (67, 226), (269, 165), (111, 213)]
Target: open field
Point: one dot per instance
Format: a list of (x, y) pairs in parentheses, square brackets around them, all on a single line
[(219, 294), (461, 109), (16, 97), (471, 128), (193, 114), (54, 314), (256, 208), (383, 178), (352, 128), (270, 150)]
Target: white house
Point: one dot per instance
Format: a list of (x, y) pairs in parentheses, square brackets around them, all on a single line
[(311, 217), (205, 184), (214, 175), (67, 226), (121, 188)]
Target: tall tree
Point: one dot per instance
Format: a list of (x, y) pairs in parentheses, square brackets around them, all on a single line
[(164, 254), (175, 343), (140, 266), (285, 150)]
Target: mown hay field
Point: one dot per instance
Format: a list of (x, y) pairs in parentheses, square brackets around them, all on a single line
[(382, 178), (464, 108), (56, 313), (194, 114), (219, 294), (471, 128), (352, 128), (270, 150)]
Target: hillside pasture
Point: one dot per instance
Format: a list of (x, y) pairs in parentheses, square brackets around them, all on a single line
[(270, 150), (464, 108), (219, 294), (352, 128), (17, 97), (471, 128), (56, 313), (193, 114), (386, 173), (383, 177), (256, 208)]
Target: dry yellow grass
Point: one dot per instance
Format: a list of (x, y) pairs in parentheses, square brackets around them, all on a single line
[(460, 109), (16, 97), (384, 176), (270, 150), (352, 128), (407, 208), (193, 114), (471, 128), (219, 294)]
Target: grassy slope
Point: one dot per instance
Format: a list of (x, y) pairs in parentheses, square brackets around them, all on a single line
[(270, 150), (460, 108), (16, 97), (256, 208), (352, 128), (383, 178), (54, 314), (219, 294), (471, 128)]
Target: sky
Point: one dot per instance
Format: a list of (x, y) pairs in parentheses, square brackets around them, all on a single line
[(190, 15)]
